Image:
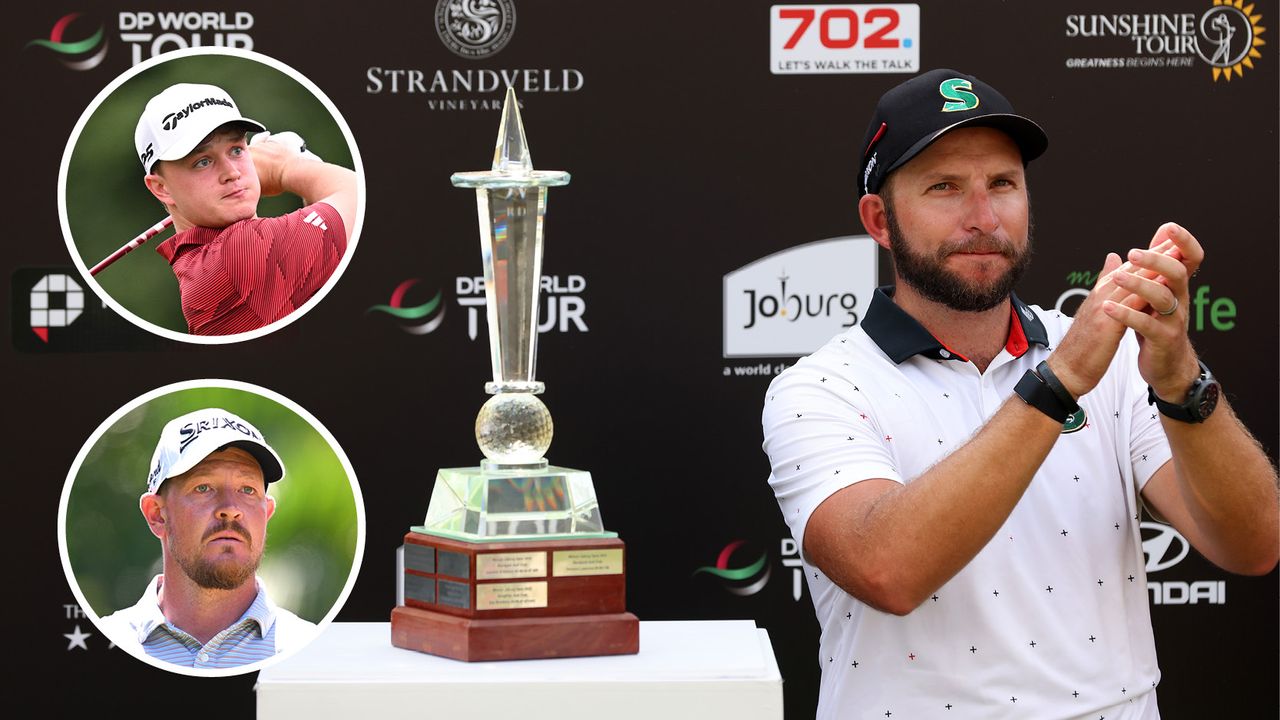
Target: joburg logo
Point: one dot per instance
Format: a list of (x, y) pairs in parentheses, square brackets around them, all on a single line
[(56, 301), (84, 54), (475, 28), (791, 302), (1226, 37), (410, 315), (172, 119), (744, 580)]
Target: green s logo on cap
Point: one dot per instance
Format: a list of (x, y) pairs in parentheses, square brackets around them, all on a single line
[(959, 95)]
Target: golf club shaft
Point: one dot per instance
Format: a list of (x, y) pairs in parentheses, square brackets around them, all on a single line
[(132, 244)]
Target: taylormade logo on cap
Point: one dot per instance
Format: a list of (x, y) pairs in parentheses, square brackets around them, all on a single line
[(187, 440), (180, 118), (171, 120)]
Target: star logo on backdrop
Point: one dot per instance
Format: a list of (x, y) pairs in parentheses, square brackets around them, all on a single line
[(76, 639)]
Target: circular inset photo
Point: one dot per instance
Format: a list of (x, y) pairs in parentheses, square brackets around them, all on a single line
[(211, 195), (211, 527)]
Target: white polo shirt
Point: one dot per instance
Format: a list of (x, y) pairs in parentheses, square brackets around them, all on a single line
[(262, 632), (1051, 618)]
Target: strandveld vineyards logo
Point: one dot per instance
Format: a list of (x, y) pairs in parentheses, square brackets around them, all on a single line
[(475, 28)]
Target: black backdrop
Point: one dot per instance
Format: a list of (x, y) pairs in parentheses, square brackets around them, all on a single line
[(690, 159)]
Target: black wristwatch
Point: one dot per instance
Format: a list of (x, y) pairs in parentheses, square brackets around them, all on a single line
[(1201, 400)]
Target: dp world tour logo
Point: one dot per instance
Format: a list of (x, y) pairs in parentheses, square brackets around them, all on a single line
[(410, 315), (744, 580), (475, 28), (84, 54)]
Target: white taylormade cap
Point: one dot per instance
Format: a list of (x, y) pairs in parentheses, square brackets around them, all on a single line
[(175, 121), (188, 439)]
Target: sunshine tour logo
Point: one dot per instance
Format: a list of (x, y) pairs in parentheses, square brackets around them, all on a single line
[(171, 120), (1226, 37)]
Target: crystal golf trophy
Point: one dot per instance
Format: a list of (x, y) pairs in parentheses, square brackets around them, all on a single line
[(512, 560)]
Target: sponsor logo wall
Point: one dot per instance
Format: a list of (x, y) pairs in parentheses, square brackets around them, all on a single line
[(709, 238)]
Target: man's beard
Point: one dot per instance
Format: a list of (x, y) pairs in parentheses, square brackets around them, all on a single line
[(930, 277), (218, 573)]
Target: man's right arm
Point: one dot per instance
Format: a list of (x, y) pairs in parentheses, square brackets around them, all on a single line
[(893, 545)]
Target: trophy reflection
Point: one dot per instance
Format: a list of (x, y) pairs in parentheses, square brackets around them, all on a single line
[(512, 560)]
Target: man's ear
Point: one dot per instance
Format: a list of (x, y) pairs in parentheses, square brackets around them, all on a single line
[(271, 506), (156, 184), (871, 211), (152, 506)]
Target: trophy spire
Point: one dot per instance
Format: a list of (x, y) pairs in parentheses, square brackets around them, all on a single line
[(511, 154)]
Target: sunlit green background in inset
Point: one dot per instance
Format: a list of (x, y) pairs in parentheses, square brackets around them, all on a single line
[(311, 538), (108, 204)]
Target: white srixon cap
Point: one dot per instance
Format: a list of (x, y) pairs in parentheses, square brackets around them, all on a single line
[(188, 439), (175, 121)]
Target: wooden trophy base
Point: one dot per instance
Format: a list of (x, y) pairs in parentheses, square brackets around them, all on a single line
[(514, 600)]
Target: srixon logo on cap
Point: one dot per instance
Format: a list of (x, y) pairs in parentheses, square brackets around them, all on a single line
[(958, 93), (171, 120), (192, 430)]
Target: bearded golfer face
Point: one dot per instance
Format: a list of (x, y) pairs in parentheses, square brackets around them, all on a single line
[(214, 186), (958, 219), (214, 519)]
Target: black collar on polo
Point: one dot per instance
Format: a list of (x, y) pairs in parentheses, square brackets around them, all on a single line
[(900, 336)]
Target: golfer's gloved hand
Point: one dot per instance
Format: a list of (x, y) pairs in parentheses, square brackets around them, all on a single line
[(289, 139)]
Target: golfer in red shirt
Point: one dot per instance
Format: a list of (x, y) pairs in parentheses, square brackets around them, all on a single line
[(238, 272)]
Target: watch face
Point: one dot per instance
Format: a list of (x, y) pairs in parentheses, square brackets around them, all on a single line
[(1208, 401)]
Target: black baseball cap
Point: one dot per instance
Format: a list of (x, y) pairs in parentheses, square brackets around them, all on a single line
[(912, 115)]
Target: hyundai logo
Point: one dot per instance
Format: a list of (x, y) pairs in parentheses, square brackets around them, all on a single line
[(1159, 548)]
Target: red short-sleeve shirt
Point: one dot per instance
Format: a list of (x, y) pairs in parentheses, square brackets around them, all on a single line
[(256, 271)]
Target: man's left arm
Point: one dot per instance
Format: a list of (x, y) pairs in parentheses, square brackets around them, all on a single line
[(1219, 489), (281, 169)]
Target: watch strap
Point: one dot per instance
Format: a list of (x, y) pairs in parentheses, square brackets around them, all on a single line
[(1190, 410), (1035, 392)]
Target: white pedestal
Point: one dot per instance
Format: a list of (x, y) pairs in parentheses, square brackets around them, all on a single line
[(693, 669)]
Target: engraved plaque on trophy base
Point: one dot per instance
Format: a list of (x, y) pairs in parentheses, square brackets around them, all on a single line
[(514, 600)]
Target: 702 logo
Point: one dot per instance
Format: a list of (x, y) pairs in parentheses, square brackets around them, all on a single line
[(818, 39)]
